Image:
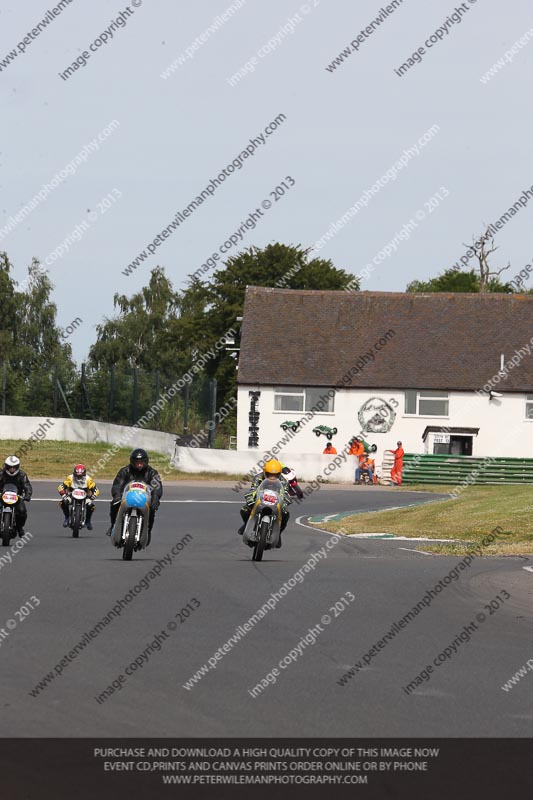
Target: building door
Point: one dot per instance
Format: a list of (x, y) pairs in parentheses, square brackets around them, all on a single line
[(461, 445)]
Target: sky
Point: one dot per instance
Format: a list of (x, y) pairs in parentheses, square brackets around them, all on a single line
[(165, 95)]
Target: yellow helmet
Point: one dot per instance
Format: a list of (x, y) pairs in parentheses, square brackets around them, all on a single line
[(272, 467)]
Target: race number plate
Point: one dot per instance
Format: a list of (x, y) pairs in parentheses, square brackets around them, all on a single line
[(270, 498), (78, 494), (9, 498)]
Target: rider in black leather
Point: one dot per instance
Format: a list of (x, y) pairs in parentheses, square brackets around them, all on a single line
[(139, 470), (13, 474)]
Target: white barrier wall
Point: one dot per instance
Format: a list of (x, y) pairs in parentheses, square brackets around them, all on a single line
[(307, 466), (83, 430)]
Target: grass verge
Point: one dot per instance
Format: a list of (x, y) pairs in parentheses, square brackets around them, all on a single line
[(56, 459), (469, 518)]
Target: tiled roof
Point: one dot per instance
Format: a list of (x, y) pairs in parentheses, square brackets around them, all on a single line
[(439, 340)]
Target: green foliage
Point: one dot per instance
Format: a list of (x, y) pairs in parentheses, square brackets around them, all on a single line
[(30, 342), (455, 280), (155, 331), (159, 329), (136, 337), (216, 306)]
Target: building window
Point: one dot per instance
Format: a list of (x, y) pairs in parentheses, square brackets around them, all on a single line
[(290, 398), (314, 396), (529, 406), (426, 403)]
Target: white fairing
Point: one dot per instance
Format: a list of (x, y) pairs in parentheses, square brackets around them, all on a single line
[(268, 495)]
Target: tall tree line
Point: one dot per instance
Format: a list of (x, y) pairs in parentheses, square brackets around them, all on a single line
[(153, 338)]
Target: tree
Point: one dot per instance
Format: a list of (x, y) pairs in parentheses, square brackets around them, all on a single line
[(9, 348), (135, 336), (8, 305), (137, 345), (160, 329), (483, 248), (482, 279), (221, 301), (276, 265), (30, 342)]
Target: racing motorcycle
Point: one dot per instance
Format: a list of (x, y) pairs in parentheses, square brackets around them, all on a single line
[(78, 500), (8, 502), (263, 526), (292, 481), (130, 530)]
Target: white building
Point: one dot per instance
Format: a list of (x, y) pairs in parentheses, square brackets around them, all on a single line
[(420, 368)]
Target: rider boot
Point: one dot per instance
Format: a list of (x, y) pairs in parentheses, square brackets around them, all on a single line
[(151, 518), (64, 506), (245, 515), (113, 511), (21, 517), (284, 519), (90, 512)]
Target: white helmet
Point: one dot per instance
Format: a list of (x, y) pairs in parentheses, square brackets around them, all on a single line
[(12, 465)]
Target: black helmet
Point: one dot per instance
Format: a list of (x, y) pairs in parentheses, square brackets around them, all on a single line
[(138, 460)]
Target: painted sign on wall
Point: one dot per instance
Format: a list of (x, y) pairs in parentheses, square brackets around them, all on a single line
[(377, 415)]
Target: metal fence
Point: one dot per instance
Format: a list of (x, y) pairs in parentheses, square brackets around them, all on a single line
[(118, 395)]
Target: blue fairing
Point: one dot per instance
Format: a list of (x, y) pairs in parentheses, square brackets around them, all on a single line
[(136, 499)]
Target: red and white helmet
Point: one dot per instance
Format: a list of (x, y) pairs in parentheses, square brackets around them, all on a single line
[(79, 473)]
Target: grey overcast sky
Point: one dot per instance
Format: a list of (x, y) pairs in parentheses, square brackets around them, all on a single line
[(344, 128)]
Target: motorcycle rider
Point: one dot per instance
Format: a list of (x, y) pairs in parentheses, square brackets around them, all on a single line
[(136, 470), (272, 471), (78, 480), (12, 473), (294, 491)]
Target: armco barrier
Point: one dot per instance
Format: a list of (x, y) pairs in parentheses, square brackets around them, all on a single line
[(454, 470)]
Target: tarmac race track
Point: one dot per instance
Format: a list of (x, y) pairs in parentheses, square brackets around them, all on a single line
[(348, 593)]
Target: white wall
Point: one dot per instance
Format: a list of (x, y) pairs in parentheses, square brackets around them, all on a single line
[(188, 459), (503, 427), (82, 430), (307, 466)]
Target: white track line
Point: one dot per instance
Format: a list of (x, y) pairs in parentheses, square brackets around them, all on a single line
[(529, 569), (378, 536), (317, 530), (395, 538), (57, 500)]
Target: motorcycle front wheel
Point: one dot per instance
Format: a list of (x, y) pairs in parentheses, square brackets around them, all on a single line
[(6, 528), (129, 544), (76, 521), (257, 555)]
